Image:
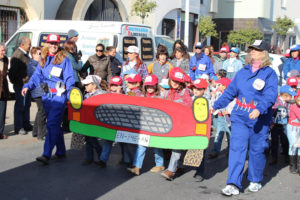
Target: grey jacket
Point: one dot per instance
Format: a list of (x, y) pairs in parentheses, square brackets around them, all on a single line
[(184, 65)]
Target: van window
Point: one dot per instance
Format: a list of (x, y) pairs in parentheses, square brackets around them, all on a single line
[(43, 39), (147, 49), (128, 41), (166, 41), (12, 45)]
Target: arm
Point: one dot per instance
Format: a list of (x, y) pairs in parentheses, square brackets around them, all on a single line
[(286, 68), (86, 66), (210, 68), (35, 79), (75, 64), (68, 75), (109, 71), (192, 65)]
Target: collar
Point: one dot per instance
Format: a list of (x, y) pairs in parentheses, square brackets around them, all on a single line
[(49, 54), (23, 50), (150, 95)]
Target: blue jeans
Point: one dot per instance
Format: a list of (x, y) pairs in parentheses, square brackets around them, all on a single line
[(140, 155), (126, 153), (21, 109), (293, 135), (222, 128), (175, 157), (106, 148), (91, 144)]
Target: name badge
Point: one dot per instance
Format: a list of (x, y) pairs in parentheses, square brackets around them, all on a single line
[(259, 84), (56, 71), (202, 67), (230, 69)]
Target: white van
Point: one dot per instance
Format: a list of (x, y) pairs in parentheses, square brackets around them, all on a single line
[(118, 34)]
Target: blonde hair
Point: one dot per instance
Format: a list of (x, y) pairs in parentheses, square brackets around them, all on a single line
[(60, 55), (265, 61)]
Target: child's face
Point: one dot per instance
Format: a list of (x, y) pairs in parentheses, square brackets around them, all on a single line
[(221, 87), (198, 92), (286, 97), (175, 84), (150, 88), (162, 58), (90, 87), (219, 77), (161, 89), (115, 88), (213, 83), (131, 85)]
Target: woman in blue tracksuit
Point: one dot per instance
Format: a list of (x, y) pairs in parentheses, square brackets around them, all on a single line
[(255, 89), (233, 64), (293, 63), (56, 73), (200, 64)]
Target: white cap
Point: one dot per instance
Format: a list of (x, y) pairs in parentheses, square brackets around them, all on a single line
[(92, 79), (205, 76), (133, 49), (164, 83)]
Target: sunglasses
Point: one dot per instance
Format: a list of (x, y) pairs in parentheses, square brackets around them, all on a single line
[(97, 50), (39, 53), (197, 48)]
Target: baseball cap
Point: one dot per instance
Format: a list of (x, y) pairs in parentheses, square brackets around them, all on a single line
[(213, 78), (205, 76), (187, 78), (199, 45), (235, 50), (133, 49), (224, 81), (292, 81), (223, 49), (295, 48), (116, 80), (92, 79), (288, 89), (53, 38), (134, 78), (177, 74), (260, 45), (200, 83), (164, 83), (72, 33), (151, 80)]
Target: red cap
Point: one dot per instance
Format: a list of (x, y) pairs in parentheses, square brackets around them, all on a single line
[(187, 78), (53, 38), (224, 49), (292, 81), (134, 78), (177, 74), (224, 81), (116, 80), (151, 80), (200, 83)]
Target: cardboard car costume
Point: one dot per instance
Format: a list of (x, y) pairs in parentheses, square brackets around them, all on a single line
[(149, 122)]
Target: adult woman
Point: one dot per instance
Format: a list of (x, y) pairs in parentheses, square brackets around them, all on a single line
[(116, 65), (56, 72), (180, 44), (134, 63), (293, 62), (255, 87), (180, 61), (208, 50), (233, 64), (39, 127), (161, 67), (99, 64), (3, 88)]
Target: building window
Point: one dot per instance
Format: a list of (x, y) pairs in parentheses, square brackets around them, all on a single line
[(292, 40), (201, 1), (283, 3), (103, 10)]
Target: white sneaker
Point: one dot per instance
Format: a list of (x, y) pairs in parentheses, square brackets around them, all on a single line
[(254, 187), (230, 190)]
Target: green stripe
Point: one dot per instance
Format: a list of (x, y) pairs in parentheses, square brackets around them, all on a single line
[(188, 142)]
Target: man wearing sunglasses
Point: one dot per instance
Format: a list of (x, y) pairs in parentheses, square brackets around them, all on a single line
[(99, 64)]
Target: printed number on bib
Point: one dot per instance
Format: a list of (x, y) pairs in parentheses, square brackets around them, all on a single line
[(202, 67), (259, 84), (56, 71), (230, 69)]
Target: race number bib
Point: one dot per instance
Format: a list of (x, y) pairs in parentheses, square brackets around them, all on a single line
[(259, 84), (230, 69), (55, 71), (202, 67)]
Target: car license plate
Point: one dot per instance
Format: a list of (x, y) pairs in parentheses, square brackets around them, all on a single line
[(133, 138)]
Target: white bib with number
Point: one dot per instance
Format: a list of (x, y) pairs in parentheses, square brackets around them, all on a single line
[(259, 84), (56, 71), (202, 67), (230, 69)]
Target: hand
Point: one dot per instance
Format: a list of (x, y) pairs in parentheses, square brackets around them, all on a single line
[(120, 66), (212, 110), (224, 112), (24, 91), (254, 114)]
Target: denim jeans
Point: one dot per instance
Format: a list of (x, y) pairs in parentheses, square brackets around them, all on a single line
[(140, 155), (106, 148), (175, 157), (127, 156), (222, 128), (2, 115), (91, 144), (293, 135), (21, 109)]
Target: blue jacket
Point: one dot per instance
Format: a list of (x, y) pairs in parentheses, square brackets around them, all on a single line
[(243, 87), (37, 92), (233, 68), (43, 75), (77, 66), (289, 65), (203, 66)]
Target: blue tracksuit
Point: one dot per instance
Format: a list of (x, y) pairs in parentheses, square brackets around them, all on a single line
[(290, 64), (203, 66), (54, 105), (245, 132)]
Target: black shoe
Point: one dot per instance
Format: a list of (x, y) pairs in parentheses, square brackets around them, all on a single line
[(28, 128), (21, 131), (2, 137), (87, 162), (199, 177), (101, 164), (293, 164), (59, 157), (43, 159)]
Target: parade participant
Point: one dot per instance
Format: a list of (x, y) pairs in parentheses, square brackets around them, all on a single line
[(164, 85), (116, 65), (18, 76), (293, 62), (293, 136), (161, 67), (221, 74), (223, 54), (280, 120), (56, 73), (115, 85), (208, 50), (133, 84), (39, 127), (150, 89), (200, 64), (4, 92), (92, 88), (180, 61), (293, 82), (179, 94), (233, 64), (180, 44), (134, 63), (255, 87), (222, 122)]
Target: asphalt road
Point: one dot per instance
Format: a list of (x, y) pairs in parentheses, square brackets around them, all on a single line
[(22, 178)]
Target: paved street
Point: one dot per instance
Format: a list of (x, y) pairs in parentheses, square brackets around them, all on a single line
[(23, 178)]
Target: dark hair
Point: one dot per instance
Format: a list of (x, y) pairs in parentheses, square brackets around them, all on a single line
[(69, 46), (222, 73), (110, 48), (185, 53), (156, 92), (162, 50), (100, 45), (179, 49), (34, 50), (103, 85)]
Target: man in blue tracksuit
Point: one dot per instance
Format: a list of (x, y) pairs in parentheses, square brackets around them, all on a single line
[(255, 88), (293, 63), (200, 64), (56, 73)]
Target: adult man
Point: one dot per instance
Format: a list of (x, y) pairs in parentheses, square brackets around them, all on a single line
[(18, 76), (73, 37)]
